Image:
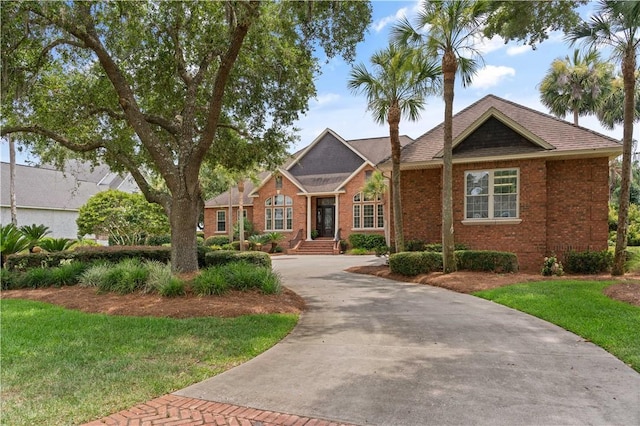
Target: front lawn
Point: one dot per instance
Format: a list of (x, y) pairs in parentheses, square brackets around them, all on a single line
[(580, 307), (62, 366)]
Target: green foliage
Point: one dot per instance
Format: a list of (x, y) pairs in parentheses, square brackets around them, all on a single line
[(366, 241), (358, 251), (216, 241), (415, 263), (223, 257), (34, 233), (172, 288), (11, 241), (249, 229), (56, 244), (128, 219), (633, 231), (552, 266), (90, 254), (36, 278), (273, 238), (8, 279), (125, 277), (419, 245), (68, 273), (94, 275), (486, 260), (240, 276), (159, 240), (159, 276), (588, 262)]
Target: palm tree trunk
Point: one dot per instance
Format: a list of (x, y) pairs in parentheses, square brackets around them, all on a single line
[(449, 66), (575, 116), (12, 180), (394, 135), (628, 71), (241, 213)]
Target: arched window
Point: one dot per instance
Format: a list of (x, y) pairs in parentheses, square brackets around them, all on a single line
[(278, 213), (368, 212)]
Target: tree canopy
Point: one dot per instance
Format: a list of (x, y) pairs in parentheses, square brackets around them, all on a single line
[(164, 87)]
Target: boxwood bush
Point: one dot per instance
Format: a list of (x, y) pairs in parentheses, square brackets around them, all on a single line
[(366, 241), (223, 257), (415, 262), (486, 260), (588, 262), (216, 241)]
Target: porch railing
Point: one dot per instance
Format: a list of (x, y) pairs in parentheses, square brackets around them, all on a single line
[(296, 239)]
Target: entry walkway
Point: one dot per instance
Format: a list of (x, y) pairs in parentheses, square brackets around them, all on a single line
[(375, 351)]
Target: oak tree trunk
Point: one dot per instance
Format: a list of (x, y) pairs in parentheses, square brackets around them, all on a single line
[(184, 221)]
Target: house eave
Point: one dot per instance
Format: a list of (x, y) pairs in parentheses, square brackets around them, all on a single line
[(321, 194), (548, 155)]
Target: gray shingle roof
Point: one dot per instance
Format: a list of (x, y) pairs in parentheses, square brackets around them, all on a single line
[(47, 188), (223, 199), (377, 149), (562, 136)]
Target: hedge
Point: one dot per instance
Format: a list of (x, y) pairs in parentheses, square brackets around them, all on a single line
[(223, 257), (216, 241), (88, 255), (366, 241), (486, 260), (415, 262), (588, 262)]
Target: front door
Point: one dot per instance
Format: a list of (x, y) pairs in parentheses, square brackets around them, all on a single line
[(325, 221)]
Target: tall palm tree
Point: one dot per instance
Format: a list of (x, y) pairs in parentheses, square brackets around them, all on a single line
[(398, 86), (617, 26), (611, 111), (576, 84), (376, 187), (452, 27)]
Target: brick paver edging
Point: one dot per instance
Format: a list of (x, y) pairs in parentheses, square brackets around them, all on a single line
[(170, 410)]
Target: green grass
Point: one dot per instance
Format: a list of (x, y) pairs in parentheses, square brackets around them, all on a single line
[(67, 367), (582, 308)]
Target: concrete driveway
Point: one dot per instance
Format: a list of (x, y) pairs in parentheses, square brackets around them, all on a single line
[(375, 351)]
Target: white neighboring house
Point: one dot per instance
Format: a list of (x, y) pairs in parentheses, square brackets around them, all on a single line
[(53, 198)]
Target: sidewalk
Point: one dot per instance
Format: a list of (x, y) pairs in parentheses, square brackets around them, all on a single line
[(177, 410)]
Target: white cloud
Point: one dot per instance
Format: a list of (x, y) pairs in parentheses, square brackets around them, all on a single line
[(491, 76), (518, 50), (380, 24), (486, 45)]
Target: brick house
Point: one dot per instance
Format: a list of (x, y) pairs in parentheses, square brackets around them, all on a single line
[(523, 182), (318, 191)]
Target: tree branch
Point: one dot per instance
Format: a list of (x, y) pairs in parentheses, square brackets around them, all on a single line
[(67, 143), (149, 118)]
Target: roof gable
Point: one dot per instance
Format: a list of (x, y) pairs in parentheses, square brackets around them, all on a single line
[(328, 154), (492, 137), (557, 137)]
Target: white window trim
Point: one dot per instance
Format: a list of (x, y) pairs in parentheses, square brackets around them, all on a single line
[(493, 220), (269, 225), (224, 214), (362, 203)]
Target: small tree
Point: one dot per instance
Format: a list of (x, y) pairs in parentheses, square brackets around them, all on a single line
[(126, 218)]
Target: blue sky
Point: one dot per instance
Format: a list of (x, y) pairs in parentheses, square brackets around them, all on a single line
[(510, 71)]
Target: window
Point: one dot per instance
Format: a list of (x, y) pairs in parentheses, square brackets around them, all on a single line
[(278, 216), (221, 221), (491, 194), (244, 213), (368, 212)]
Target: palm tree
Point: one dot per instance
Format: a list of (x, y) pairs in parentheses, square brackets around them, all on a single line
[(617, 25), (577, 85), (398, 86), (376, 188), (452, 27), (611, 111)]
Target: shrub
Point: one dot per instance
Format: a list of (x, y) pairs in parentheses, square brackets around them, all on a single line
[(358, 251), (552, 266), (486, 260), (437, 247), (8, 279), (159, 276), (415, 263), (159, 240), (90, 254), (172, 288), (366, 241), (12, 241), (223, 257), (125, 277), (241, 276), (210, 282), (415, 245), (270, 282), (216, 241), (36, 278), (95, 274), (56, 244), (588, 262), (68, 273)]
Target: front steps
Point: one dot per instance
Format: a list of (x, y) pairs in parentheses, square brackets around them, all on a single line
[(317, 247)]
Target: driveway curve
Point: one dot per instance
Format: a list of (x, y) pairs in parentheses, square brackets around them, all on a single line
[(375, 351)]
